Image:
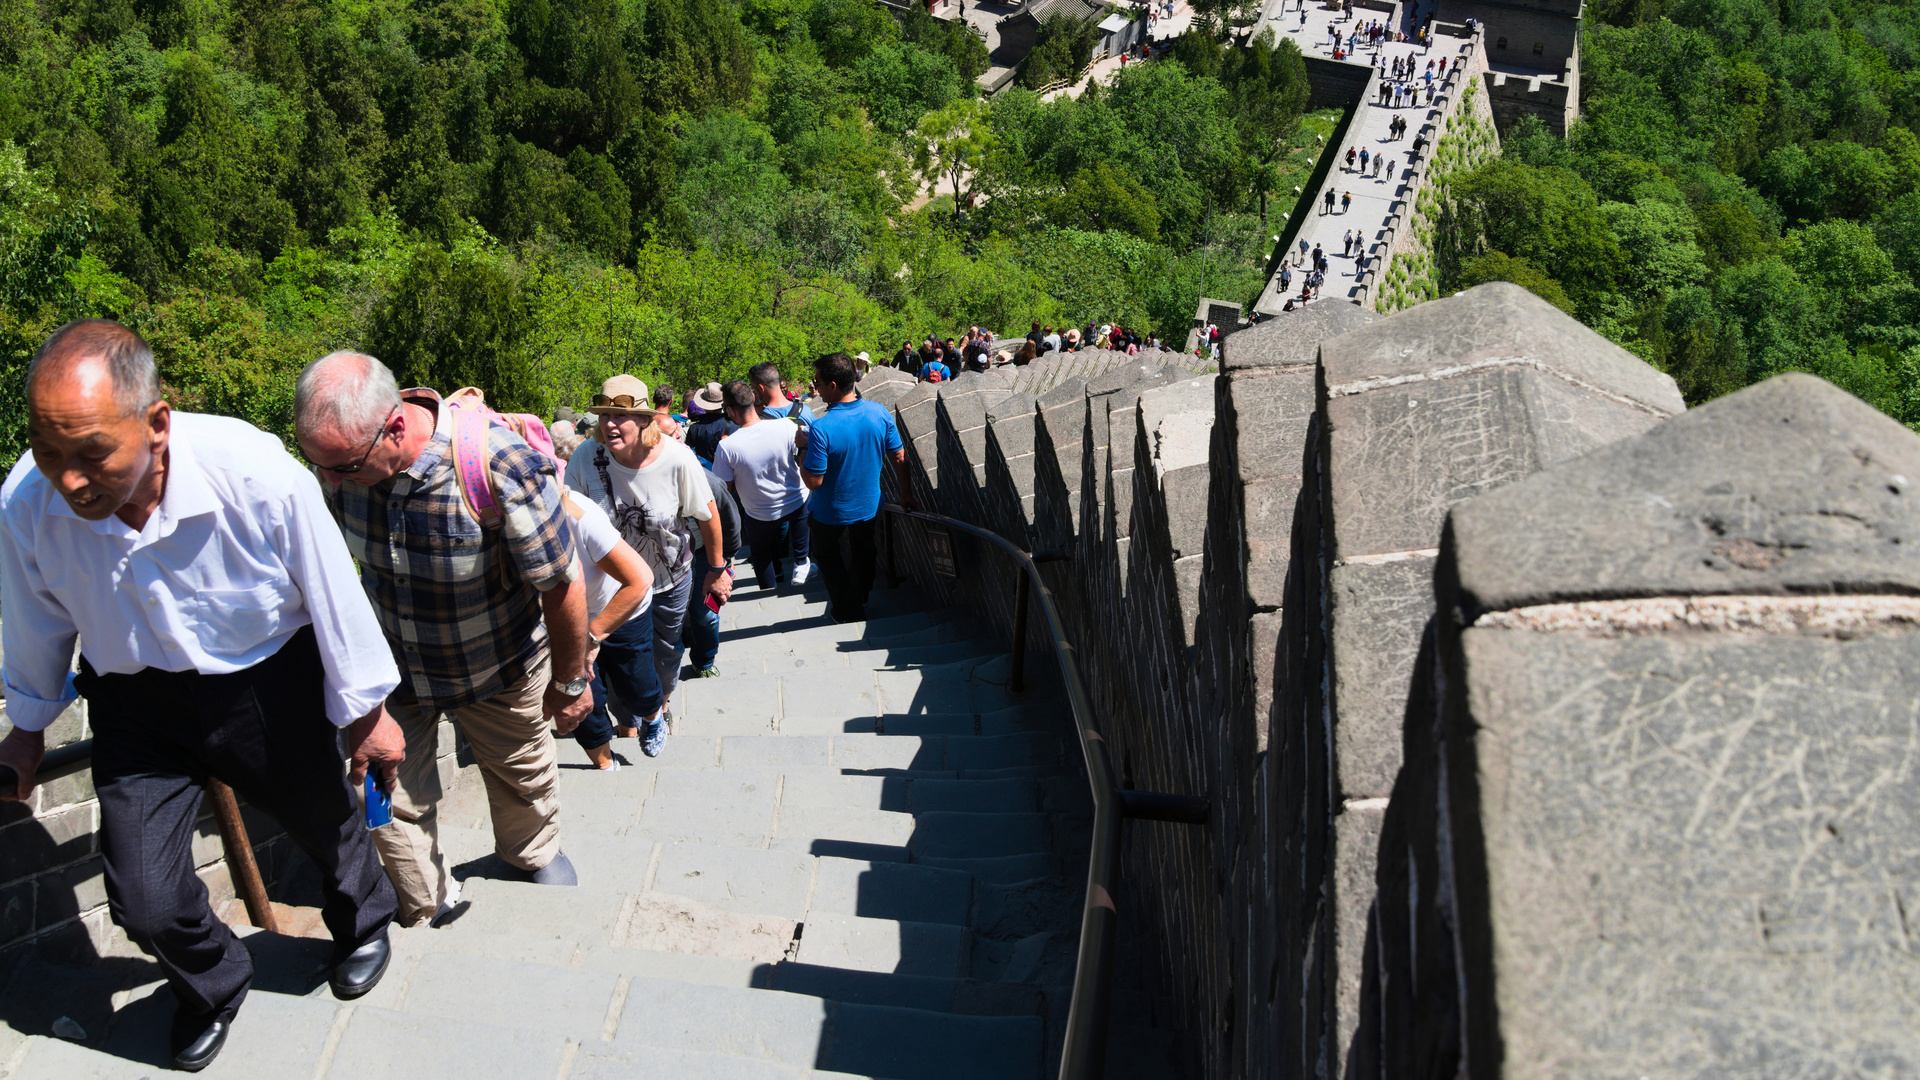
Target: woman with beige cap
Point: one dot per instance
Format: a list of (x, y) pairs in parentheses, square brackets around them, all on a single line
[(652, 487)]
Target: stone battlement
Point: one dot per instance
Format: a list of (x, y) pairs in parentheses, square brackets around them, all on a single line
[(1548, 728)]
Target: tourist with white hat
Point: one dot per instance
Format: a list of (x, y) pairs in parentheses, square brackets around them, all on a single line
[(653, 488)]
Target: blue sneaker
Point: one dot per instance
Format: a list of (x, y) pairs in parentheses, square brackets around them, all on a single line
[(653, 738)]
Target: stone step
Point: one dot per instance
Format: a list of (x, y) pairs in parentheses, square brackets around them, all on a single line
[(884, 946), (879, 835), (607, 1063), (822, 636), (853, 655), (799, 1030), (763, 704), (1000, 870), (275, 1035), (968, 997)]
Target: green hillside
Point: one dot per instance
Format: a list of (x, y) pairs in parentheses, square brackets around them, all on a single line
[(528, 195), (1741, 197)]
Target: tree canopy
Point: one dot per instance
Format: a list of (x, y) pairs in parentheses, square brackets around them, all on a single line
[(530, 195)]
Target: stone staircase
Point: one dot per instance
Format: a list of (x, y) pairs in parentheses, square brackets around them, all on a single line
[(861, 854)]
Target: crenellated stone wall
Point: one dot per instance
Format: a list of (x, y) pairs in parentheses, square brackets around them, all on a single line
[(1526, 750)]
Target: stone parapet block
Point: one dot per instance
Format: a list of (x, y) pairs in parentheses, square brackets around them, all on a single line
[(1647, 518), (1682, 803)]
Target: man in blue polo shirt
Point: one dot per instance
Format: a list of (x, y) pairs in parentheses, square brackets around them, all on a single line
[(841, 467)]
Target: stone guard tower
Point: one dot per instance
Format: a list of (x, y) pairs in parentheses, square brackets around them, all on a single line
[(1532, 56)]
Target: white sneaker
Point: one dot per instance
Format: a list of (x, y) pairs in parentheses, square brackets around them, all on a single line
[(800, 571)]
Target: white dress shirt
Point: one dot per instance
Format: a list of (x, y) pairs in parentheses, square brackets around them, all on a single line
[(240, 554)]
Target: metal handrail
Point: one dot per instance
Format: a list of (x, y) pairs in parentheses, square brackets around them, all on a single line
[(1083, 1056), (75, 756)]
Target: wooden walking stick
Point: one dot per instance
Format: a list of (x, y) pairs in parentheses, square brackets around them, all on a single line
[(240, 865)]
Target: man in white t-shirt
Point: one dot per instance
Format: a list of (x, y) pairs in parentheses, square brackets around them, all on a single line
[(651, 487), (619, 594), (761, 464)]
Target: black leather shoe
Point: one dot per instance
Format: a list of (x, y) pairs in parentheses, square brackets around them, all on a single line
[(362, 968), (197, 1040)]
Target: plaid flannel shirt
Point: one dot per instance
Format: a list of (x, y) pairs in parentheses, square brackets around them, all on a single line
[(460, 604)]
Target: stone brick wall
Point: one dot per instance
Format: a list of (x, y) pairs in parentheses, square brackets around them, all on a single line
[(1555, 101), (1399, 596)]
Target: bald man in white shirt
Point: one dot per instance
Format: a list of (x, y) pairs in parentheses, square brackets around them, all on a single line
[(223, 633)]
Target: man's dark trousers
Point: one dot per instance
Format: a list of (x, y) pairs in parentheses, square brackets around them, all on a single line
[(834, 547), (157, 737), (770, 541)]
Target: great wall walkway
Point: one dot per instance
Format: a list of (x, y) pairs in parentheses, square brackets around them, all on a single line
[(861, 854), (1376, 201)]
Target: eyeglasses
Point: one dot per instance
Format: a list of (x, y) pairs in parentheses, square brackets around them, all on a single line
[(349, 470), (618, 401)]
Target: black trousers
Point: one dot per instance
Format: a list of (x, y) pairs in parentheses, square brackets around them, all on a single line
[(846, 556), (157, 737)]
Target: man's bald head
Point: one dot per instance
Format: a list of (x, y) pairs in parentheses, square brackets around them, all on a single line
[(125, 354)]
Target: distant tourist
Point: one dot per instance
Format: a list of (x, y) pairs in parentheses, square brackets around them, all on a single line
[(662, 404), (1346, 201), (760, 462), (619, 591), (850, 446), (710, 423), (935, 371), (656, 493)]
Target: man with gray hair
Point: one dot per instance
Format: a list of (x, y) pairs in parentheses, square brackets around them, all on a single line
[(222, 635), (488, 620)]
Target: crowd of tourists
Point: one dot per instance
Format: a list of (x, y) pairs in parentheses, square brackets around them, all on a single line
[(299, 631), (937, 359)]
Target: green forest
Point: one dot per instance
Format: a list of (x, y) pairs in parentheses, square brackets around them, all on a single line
[(528, 195), (1741, 196)]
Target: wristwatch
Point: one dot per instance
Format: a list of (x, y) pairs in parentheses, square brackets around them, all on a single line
[(572, 687)]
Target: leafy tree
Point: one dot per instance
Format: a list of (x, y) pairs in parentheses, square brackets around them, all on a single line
[(901, 83), (1061, 50), (951, 144), (1105, 199), (1497, 266)]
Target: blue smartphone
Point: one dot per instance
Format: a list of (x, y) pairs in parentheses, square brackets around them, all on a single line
[(379, 804)]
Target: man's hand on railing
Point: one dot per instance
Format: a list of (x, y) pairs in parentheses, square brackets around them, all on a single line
[(375, 741), (21, 751)]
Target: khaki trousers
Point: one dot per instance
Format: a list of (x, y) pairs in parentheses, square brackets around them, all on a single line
[(513, 745)]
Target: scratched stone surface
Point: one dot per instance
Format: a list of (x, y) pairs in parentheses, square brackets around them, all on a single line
[(1401, 456), (1497, 324), (1702, 853), (1790, 486), (1379, 613)]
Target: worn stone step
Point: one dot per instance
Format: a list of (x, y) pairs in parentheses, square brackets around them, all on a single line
[(568, 1002), (766, 1025), (853, 655), (881, 836), (968, 835), (914, 1044), (834, 940), (274, 1035), (799, 1031), (893, 890), (599, 1062), (968, 997), (999, 870), (779, 640)]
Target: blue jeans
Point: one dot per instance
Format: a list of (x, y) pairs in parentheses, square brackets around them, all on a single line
[(624, 669), (769, 541), (701, 633), (669, 613)]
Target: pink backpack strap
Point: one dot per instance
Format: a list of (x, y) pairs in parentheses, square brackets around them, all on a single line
[(470, 460)]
